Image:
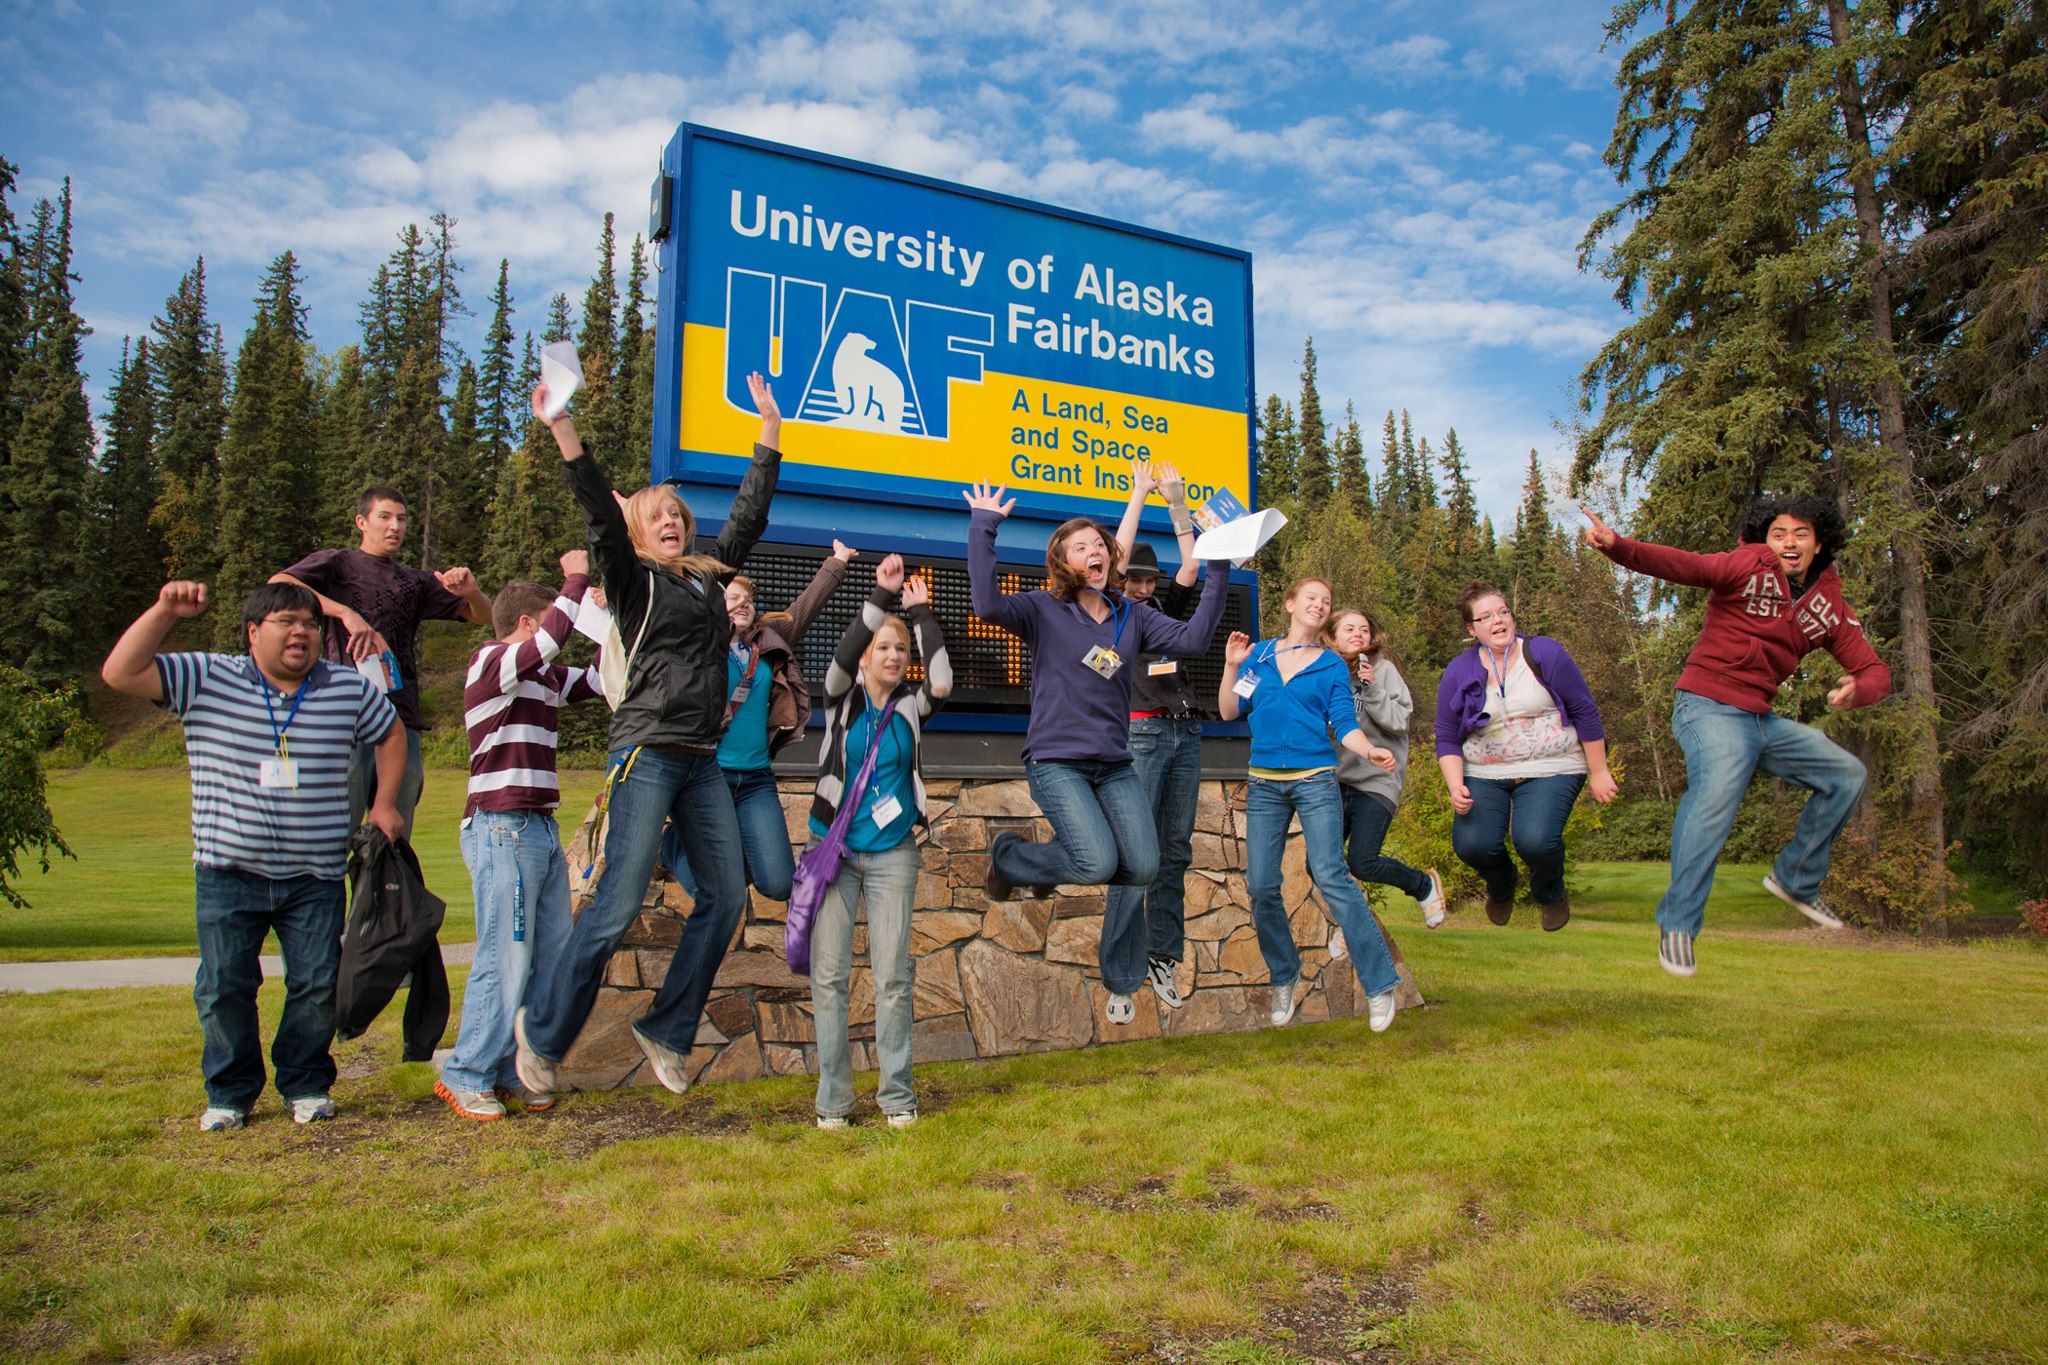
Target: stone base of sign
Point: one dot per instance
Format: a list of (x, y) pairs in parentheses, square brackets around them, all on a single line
[(991, 979)]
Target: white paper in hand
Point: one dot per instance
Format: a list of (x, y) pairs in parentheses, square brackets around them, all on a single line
[(1240, 539), (562, 371), (592, 620)]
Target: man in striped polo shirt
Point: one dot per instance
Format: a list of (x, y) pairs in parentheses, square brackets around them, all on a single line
[(509, 839), (268, 736)]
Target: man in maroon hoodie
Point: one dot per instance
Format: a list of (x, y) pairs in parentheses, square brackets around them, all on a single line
[(1775, 597)]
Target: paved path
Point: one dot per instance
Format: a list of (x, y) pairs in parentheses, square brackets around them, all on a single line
[(101, 973)]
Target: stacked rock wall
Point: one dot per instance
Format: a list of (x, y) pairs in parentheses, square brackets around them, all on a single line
[(991, 980)]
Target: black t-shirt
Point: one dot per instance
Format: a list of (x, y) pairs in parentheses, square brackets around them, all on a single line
[(1168, 692), (392, 598)]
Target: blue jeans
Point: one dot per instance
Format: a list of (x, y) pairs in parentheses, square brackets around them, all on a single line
[(1146, 922), (1724, 746), (664, 784), (1534, 809), (764, 833), (1366, 821), (1102, 828), (1269, 807), (521, 882), (362, 781), (236, 909), (887, 882)]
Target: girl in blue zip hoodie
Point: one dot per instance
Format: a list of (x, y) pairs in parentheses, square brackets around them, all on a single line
[(1295, 694)]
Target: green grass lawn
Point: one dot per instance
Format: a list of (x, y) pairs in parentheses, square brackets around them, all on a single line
[(129, 891), (1824, 1148)]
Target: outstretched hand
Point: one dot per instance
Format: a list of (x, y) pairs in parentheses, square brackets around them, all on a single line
[(1842, 696), (1599, 534), (1168, 480), (889, 573), (1237, 648), (843, 552), (982, 498), (764, 396), (916, 592)]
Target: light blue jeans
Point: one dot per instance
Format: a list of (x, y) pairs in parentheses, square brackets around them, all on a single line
[(1724, 746), (521, 881), (1269, 807), (887, 882)]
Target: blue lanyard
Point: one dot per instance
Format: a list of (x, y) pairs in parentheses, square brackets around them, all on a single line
[(1119, 612), (1275, 649), (1500, 667), (276, 730)]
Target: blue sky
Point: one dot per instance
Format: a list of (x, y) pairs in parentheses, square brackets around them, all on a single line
[(1412, 179)]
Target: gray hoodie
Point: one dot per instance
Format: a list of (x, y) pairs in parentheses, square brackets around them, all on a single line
[(1384, 706)]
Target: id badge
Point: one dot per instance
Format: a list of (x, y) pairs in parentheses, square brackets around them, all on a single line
[(885, 812), (1103, 661), (1163, 668), (277, 773), (1246, 685)]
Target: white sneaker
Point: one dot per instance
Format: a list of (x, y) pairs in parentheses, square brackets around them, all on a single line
[(536, 1072), (1379, 1011), (1433, 905), (1121, 1008), (1283, 1004), (1813, 909), (1162, 975), (832, 1122), (670, 1066), (902, 1120), (219, 1118), (311, 1108), (480, 1105)]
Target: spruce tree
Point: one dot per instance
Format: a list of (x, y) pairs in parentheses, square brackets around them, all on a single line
[(1277, 454), (1532, 559), (600, 417), (500, 415), (127, 559), (345, 461), (1312, 465), (636, 374), (269, 459), (191, 410), (1354, 484), (46, 607), (14, 291)]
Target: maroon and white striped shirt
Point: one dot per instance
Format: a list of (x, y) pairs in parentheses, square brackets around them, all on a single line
[(509, 704)]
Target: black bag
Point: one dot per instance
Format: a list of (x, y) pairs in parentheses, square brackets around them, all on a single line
[(392, 932)]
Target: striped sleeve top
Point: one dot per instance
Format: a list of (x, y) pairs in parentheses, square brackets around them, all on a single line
[(234, 720), (510, 700)]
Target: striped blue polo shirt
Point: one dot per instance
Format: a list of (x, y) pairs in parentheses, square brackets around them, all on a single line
[(231, 714)]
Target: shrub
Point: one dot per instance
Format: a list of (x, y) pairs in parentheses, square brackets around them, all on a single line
[(31, 720)]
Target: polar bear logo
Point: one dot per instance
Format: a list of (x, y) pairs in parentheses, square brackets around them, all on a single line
[(869, 392)]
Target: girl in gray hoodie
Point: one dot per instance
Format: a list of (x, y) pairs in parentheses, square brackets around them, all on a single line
[(1371, 793)]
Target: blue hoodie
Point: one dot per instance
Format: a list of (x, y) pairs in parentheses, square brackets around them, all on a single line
[(1293, 722)]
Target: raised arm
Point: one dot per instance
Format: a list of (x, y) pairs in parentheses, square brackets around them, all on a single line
[(844, 669), (1168, 636), (131, 664), (1175, 491), (931, 643), (1127, 528), (1662, 561), (1236, 650), (748, 519), (532, 657), (604, 516), (363, 638), (831, 573), (990, 602)]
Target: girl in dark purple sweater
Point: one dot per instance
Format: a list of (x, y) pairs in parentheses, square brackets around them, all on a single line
[(1082, 634)]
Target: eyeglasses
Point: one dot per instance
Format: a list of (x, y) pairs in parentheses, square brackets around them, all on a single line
[(1502, 615)]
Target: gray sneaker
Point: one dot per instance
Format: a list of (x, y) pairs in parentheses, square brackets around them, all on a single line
[(536, 1072), (903, 1119), (1283, 1004), (671, 1067), (1813, 909), (311, 1108), (1674, 953), (220, 1118), (1161, 974)]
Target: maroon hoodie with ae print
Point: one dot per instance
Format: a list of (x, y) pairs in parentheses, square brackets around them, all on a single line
[(1757, 631)]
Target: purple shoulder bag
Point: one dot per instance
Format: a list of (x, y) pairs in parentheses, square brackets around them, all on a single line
[(820, 863)]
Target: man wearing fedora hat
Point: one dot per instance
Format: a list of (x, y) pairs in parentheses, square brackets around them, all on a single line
[(1143, 927)]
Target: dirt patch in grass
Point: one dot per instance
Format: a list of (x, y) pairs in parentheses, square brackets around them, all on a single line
[(1299, 1213), (579, 1130), (1618, 1308), (1151, 1193)]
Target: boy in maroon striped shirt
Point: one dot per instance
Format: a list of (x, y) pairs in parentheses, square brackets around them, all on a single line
[(509, 839)]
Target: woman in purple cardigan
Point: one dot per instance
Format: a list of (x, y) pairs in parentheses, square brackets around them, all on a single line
[(1517, 736)]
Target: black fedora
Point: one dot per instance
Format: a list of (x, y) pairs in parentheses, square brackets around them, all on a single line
[(1143, 563)]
